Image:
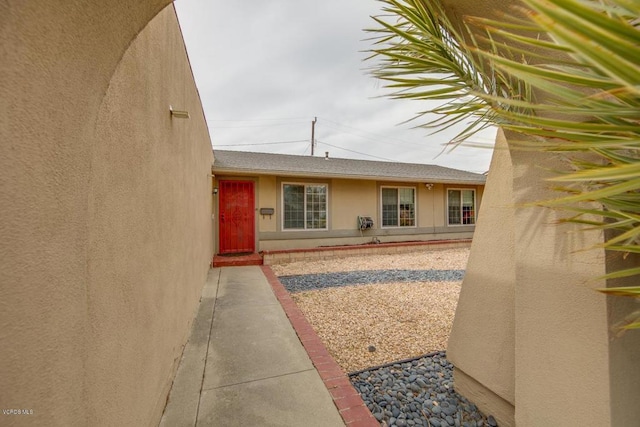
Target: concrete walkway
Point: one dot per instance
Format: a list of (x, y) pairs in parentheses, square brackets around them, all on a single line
[(244, 364)]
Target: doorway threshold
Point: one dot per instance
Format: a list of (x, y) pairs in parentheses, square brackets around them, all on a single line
[(237, 260)]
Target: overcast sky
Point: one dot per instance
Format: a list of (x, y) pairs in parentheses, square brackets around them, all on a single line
[(265, 69)]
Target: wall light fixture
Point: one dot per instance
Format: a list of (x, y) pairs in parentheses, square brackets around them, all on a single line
[(178, 114)]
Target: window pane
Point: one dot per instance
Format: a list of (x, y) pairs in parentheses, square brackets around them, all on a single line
[(316, 199), (454, 207), (389, 207), (407, 207), (293, 206), (468, 208)]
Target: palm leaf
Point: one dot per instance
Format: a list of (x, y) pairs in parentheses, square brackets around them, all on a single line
[(631, 291), (584, 72)]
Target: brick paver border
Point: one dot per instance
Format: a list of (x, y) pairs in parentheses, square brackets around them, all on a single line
[(350, 405)]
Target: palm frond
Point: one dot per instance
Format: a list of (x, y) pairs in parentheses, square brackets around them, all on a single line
[(563, 74)]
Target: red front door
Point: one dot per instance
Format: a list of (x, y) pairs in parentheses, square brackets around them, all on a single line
[(237, 217)]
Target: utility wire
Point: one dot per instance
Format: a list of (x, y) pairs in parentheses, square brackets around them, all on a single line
[(357, 152), (259, 120), (263, 143), (259, 126), (373, 136), (375, 140)]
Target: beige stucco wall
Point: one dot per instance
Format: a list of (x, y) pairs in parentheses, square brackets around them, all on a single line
[(106, 210), (348, 199), (624, 372), (530, 329), (266, 198), (561, 321), (431, 205), (561, 365), (482, 340)]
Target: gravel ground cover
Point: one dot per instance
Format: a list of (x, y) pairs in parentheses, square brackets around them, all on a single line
[(378, 316), (396, 318), (368, 325), (448, 259), (417, 392), (306, 282)]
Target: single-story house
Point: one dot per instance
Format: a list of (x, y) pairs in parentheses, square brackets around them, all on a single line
[(274, 201)]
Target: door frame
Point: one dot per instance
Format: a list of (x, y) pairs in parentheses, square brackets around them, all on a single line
[(218, 185)]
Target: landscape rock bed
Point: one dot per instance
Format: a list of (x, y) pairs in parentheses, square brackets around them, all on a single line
[(417, 392), (306, 282), (368, 315), (369, 325)]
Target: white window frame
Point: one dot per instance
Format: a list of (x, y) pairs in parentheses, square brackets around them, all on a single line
[(305, 185), (415, 207), (475, 206)]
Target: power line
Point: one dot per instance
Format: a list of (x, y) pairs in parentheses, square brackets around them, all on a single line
[(375, 140), (262, 143), (373, 136), (356, 152), (259, 120), (259, 126)]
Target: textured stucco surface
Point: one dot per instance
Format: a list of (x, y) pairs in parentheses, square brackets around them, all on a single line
[(106, 210), (624, 350), (562, 345), (530, 327), (566, 370), (347, 199), (482, 340)]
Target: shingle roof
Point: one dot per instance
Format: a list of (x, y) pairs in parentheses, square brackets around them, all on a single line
[(306, 166)]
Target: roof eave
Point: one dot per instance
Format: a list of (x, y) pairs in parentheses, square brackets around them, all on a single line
[(300, 174)]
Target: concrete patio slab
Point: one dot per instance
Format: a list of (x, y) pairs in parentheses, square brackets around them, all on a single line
[(244, 363), (297, 399), (182, 407), (238, 287), (252, 342)]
